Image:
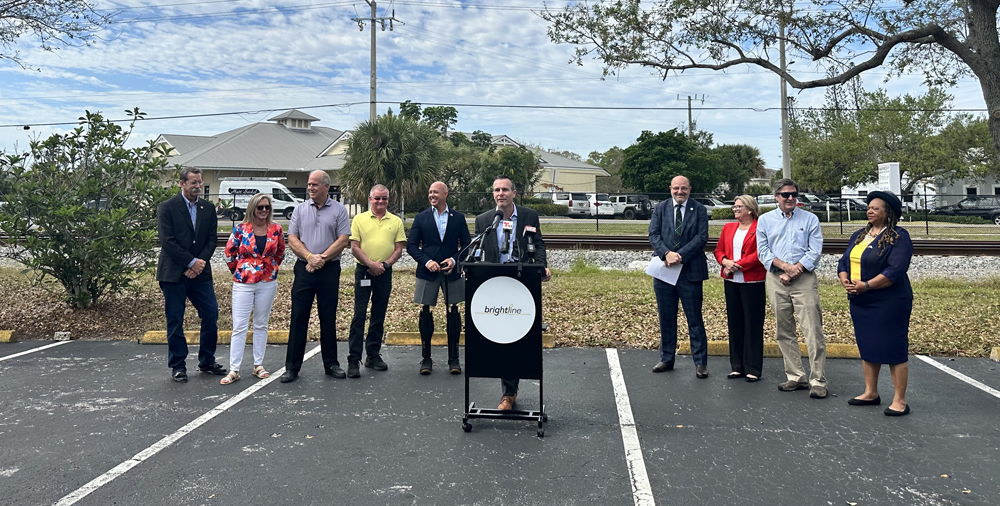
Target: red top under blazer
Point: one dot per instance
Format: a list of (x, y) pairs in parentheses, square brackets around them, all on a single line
[(753, 270)]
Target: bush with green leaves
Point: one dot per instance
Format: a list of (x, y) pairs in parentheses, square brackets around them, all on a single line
[(80, 208), (549, 209)]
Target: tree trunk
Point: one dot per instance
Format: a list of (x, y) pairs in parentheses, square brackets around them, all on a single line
[(982, 38)]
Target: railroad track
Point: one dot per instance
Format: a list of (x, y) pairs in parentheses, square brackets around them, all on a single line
[(832, 246)]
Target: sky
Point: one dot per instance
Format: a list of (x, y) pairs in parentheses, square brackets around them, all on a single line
[(200, 61)]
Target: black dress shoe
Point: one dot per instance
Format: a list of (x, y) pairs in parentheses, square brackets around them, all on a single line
[(215, 368), (861, 402), (663, 366), (336, 372), (893, 412), (701, 371), (353, 368), (289, 377), (180, 376)]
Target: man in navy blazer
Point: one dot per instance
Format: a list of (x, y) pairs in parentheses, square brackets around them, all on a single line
[(678, 232), (187, 227), (437, 236)]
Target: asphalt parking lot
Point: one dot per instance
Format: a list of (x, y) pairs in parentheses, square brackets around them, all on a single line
[(97, 423)]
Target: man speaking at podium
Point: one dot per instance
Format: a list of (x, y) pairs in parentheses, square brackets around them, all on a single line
[(518, 227)]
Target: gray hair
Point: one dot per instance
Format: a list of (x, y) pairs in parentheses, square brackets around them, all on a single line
[(187, 171), (326, 177), (783, 182), (377, 188)]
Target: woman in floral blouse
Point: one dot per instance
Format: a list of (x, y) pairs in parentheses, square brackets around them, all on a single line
[(254, 251)]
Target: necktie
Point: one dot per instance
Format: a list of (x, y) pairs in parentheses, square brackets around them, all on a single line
[(678, 224)]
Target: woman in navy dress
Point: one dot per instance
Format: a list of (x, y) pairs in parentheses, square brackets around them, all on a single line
[(873, 272)]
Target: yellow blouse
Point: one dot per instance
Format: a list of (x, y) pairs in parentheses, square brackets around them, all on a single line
[(856, 252)]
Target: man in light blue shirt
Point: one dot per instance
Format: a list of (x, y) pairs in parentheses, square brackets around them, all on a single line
[(789, 244)]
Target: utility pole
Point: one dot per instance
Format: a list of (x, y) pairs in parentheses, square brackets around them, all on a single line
[(361, 26), (786, 157), (690, 119)]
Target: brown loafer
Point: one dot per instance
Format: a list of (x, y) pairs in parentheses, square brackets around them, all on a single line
[(507, 402)]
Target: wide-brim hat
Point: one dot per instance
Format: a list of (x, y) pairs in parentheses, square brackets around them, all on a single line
[(889, 198)]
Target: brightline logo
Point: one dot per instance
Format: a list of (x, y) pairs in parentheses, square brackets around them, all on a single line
[(497, 311)]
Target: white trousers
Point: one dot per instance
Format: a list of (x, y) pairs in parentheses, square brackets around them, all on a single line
[(247, 297)]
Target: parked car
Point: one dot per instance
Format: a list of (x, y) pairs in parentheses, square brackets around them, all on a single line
[(600, 205), (711, 204), (983, 206), (578, 203), (631, 207), (851, 203), (814, 202)]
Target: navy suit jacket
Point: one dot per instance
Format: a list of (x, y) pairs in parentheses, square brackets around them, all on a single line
[(694, 237), (180, 242), (892, 262), (424, 242), (525, 217)]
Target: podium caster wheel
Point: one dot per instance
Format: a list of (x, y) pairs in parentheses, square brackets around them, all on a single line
[(467, 427), (541, 432)]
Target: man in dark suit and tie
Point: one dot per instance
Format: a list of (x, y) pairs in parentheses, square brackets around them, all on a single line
[(187, 227), (437, 236), (517, 248), (678, 232)]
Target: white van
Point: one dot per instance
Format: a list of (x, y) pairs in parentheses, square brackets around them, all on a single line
[(235, 193)]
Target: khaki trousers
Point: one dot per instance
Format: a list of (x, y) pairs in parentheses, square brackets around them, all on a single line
[(799, 300)]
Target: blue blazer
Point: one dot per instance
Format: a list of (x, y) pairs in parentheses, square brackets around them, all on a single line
[(892, 262), (425, 244), (694, 236), (180, 242)]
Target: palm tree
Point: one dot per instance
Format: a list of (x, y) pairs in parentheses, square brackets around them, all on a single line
[(402, 154)]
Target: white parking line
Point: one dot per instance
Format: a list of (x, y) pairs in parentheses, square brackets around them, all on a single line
[(40, 348), (986, 388), (164, 443), (642, 493)]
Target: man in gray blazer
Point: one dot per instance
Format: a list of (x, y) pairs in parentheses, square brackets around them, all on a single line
[(187, 227), (678, 232)]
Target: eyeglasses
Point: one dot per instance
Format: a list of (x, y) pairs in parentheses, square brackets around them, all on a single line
[(789, 195), (263, 208), (379, 198), (737, 208), (680, 188)]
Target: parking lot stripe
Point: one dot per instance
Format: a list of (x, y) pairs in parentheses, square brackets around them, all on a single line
[(164, 443), (986, 388), (642, 493), (40, 348)]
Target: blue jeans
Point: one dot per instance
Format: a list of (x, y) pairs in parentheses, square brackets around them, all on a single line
[(202, 295), (689, 294)]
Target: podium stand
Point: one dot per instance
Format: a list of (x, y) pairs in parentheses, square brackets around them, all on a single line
[(503, 332)]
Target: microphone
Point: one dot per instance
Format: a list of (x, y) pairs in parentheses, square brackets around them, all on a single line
[(508, 228), (496, 220), (530, 232)]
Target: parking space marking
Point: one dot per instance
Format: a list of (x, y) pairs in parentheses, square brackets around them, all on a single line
[(642, 493), (40, 348), (982, 386), (164, 443)]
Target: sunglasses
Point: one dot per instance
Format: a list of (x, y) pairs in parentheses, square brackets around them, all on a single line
[(263, 208), (379, 198), (789, 195)]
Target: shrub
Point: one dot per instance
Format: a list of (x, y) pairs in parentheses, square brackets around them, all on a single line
[(723, 214), (81, 208), (549, 209)]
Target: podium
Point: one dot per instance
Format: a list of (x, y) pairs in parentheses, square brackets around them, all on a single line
[(503, 332)]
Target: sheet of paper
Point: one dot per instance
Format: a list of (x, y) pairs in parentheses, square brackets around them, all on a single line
[(662, 272)]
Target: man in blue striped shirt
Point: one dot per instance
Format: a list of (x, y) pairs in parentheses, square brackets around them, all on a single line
[(789, 244)]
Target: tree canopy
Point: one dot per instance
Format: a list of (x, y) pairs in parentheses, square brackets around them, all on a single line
[(737, 164), (944, 40), (52, 23), (655, 159)]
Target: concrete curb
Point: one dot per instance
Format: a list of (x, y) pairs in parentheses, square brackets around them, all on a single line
[(721, 349), (7, 336), (441, 339), (995, 355), (225, 336)]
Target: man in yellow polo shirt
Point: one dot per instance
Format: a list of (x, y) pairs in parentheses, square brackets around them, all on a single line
[(377, 240)]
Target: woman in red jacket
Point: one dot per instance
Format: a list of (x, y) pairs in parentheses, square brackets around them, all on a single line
[(736, 252)]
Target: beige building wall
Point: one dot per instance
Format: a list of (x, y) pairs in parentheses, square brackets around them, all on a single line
[(568, 180)]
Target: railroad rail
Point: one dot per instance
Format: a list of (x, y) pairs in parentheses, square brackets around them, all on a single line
[(830, 245)]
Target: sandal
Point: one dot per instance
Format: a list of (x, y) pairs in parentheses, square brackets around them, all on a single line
[(232, 377), (260, 372), (734, 375)]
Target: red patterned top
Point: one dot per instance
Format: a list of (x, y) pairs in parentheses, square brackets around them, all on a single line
[(242, 258)]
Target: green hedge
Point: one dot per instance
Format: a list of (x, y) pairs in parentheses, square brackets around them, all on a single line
[(549, 209)]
